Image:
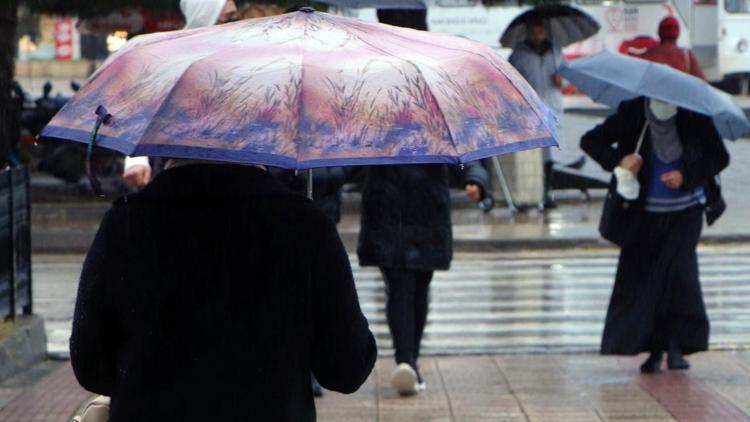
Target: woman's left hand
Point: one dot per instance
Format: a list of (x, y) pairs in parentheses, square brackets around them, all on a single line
[(473, 192), (672, 179)]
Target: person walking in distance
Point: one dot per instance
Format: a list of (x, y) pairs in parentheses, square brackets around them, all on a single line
[(406, 232), (198, 13), (667, 52), (538, 60), (670, 158)]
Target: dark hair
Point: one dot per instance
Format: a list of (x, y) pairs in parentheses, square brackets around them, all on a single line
[(295, 8), (406, 18)]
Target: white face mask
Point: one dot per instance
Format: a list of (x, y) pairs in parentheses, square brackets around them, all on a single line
[(662, 110), (627, 184)]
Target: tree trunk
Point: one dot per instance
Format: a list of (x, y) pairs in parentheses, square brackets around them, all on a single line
[(8, 109)]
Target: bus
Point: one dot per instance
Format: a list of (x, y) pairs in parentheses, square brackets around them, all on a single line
[(718, 31)]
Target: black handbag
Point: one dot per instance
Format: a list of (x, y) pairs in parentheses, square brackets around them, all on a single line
[(620, 218)]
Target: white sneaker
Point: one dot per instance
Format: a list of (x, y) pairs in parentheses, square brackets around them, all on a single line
[(404, 380)]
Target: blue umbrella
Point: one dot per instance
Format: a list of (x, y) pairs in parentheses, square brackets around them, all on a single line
[(611, 78), (379, 4)]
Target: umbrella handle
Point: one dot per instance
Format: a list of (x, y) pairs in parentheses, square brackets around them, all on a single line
[(102, 117)]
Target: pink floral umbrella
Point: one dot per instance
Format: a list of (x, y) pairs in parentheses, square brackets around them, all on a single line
[(307, 89)]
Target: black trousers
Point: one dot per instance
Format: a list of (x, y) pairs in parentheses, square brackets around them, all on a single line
[(657, 303), (406, 309)]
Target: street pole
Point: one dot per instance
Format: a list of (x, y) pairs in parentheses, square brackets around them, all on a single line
[(503, 184), (8, 111)]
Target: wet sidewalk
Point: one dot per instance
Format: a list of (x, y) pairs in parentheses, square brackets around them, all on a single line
[(479, 388), (69, 226)]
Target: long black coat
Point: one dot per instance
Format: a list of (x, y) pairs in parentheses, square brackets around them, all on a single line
[(704, 154), (406, 215), (656, 300), (211, 295)]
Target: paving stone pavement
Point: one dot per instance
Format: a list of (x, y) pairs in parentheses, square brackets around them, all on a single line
[(558, 388), (515, 312)]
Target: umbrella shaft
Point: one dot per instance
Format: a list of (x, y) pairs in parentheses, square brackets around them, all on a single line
[(310, 184)]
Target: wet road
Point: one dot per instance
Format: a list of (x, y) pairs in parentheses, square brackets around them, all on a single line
[(532, 301)]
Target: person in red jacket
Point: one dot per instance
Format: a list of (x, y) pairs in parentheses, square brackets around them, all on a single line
[(667, 52)]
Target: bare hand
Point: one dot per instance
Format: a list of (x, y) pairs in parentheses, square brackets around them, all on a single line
[(138, 175), (672, 179), (632, 162), (557, 81), (473, 192)]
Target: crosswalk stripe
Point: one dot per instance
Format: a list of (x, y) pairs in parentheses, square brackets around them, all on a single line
[(490, 302), (516, 302)]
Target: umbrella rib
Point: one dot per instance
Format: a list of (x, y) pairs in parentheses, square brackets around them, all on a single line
[(419, 71), (300, 95), (482, 56), (440, 108), (639, 85), (164, 102), (172, 89)]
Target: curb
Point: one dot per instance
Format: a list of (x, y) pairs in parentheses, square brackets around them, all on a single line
[(25, 346), (78, 241)]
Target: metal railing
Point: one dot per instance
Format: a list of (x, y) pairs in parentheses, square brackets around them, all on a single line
[(15, 243)]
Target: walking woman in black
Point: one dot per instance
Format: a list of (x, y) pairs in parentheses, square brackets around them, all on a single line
[(406, 232), (657, 303)]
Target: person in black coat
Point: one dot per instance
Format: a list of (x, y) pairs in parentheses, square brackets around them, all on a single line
[(327, 184), (406, 232), (211, 295), (657, 304)]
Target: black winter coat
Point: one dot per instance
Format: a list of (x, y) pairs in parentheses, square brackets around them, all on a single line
[(327, 183), (704, 154), (211, 295), (406, 215)]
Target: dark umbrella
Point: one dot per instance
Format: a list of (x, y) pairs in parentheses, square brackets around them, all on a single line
[(565, 25)]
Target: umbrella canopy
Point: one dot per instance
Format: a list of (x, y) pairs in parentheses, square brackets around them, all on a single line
[(308, 89), (380, 4), (565, 25), (611, 78)]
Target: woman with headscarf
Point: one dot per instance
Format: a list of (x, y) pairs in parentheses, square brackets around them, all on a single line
[(657, 303)]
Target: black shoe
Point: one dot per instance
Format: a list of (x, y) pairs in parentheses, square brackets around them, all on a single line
[(549, 201), (317, 390), (652, 365), (677, 362), (577, 164)]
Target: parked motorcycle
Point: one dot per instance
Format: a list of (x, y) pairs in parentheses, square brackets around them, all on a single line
[(64, 160)]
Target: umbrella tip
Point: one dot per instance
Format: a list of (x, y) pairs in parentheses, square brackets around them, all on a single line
[(306, 9)]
